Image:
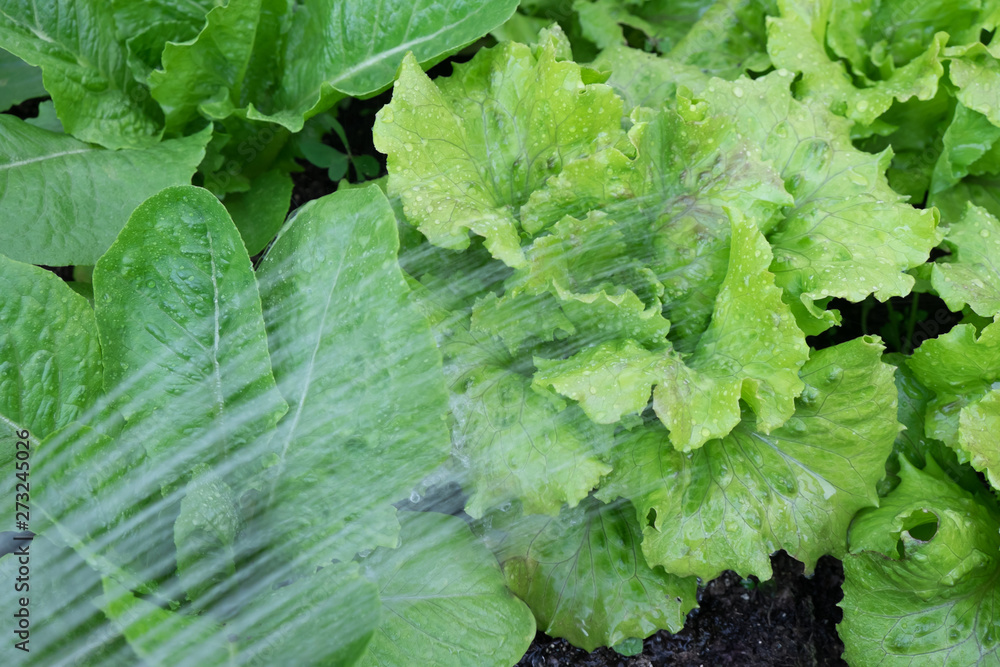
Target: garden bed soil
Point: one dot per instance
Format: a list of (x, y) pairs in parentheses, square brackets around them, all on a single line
[(789, 621)]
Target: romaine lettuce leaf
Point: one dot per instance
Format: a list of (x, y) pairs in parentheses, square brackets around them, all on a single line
[(366, 421), (84, 69), (185, 351), (88, 192)]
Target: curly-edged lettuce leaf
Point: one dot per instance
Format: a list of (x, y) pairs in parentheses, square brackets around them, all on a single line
[(920, 581), (644, 79), (362, 47), (85, 69), (797, 42), (733, 502), (181, 328), (849, 234), (584, 576), (963, 370), (444, 601), (973, 274), (968, 146), (518, 441), (78, 195), (358, 366), (975, 71), (205, 74), (728, 39), (688, 167), (752, 350), (466, 152)]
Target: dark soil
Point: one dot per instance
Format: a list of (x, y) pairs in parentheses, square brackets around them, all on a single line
[(788, 621)]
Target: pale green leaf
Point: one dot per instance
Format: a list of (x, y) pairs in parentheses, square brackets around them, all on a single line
[(920, 583), (973, 274), (465, 153), (584, 576), (733, 502)]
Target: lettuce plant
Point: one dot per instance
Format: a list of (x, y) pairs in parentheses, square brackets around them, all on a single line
[(590, 292)]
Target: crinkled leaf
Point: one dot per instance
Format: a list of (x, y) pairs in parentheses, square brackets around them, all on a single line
[(466, 152), (644, 79), (733, 502), (84, 68), (205, 74), (363, 47), (444, 600), (728, 39), (517, 442), (960, 368), (970, 136), (797, 42), (752, 350), (973, 274), (183, 337), (975, 70), (78, 196), (848, 234), (584, 576), (921, 579), (687, 169), (358, 366)]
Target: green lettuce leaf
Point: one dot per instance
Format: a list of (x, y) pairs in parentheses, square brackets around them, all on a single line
[(19, 81), (518, 441), (963, 371), (84, 68), (50, 360), (921, 578), (327, 618), (797, 41), (364, 46), (183, 337), (444, 600), (973, 274), (78, 195), (466, 152), (733, 502), (584, 576), (849, 234), (357, 364), (205, 74), (260, 211)]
